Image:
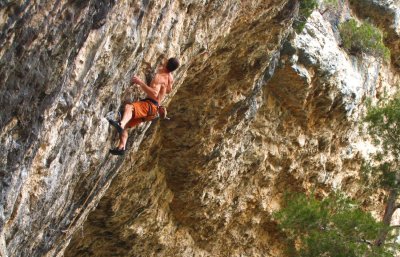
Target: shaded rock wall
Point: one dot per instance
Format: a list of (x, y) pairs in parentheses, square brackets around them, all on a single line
[(256, 111), (64, 65), (188, 201)]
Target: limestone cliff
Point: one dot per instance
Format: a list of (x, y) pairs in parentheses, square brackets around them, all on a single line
[(256, 110)]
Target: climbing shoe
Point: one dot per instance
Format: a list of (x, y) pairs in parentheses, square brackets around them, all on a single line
[(117, 151), (116, 124)]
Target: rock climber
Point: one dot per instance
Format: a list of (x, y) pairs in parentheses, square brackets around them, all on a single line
[(148, 108)]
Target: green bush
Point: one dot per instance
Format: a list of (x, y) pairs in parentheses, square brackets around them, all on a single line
[(334, 226), (364, 38)]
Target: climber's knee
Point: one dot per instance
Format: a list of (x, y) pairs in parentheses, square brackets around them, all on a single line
[(128, 108)]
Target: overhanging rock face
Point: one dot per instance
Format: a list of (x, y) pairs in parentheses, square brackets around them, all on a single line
[(185, 188), (256, 111)]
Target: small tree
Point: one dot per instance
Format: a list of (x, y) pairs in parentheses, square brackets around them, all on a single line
[(334, 227), (364, 38), (305, 9), (384, 127)]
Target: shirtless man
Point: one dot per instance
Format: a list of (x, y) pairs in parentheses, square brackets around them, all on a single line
[(146, 109)]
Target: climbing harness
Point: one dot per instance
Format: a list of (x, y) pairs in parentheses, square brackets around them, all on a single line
[(160, 113)]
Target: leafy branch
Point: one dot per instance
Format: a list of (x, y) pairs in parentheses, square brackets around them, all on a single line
[(333, 226)]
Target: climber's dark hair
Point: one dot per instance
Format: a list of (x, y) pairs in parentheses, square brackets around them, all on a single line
[(172, 64)]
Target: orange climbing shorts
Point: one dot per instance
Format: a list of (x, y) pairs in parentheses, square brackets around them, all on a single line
[(144, 110)]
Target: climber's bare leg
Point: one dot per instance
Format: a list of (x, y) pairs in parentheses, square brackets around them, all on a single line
[(123, 138), (127, 116)]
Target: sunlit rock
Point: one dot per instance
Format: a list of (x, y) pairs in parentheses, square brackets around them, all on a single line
[(256, 111)]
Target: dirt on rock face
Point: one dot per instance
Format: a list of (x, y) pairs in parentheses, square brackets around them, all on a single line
[(256, 111)]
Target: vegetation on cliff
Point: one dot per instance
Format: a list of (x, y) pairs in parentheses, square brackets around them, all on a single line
[(356, 38), (364, 38), (333, 226), (383, 171), (305, 9)]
